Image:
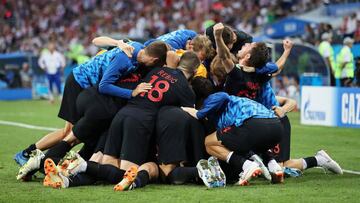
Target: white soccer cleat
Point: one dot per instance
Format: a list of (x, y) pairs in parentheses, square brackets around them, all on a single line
[(205, 174), (217, 171), (32, 164), (264, 170), (252, 171), (326, 162), (276, 172), (76, 164)]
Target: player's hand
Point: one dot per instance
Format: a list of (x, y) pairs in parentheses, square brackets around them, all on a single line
[(142, 87), (127, 49), (191, 111), (279, 112), (287, 44), (218, 28), (172, 59)]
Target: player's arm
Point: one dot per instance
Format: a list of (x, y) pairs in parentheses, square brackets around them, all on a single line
[(117, 68), (287, 44), (286, 105), (212, 104), (41, 62), (221, 49), (104, 41)]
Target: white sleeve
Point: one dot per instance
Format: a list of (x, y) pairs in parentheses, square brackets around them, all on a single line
[(326, 53), (347, 57)]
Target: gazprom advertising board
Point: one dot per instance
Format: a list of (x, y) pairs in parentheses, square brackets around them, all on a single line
[(330, 106)]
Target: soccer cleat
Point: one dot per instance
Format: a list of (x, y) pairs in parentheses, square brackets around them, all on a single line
[(292, 172), (205, 174), (264, 170), (76, 164), (53, 177), (32, 164), (20, 158), (251, 171), (216, 170), (127, 182), (277, 173), (327, 162)]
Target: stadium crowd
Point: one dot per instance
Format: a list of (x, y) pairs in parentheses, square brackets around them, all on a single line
[(25, 28)]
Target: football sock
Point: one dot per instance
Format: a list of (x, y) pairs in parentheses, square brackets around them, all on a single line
[(142, 179), (228, 157), (272, 165), (26, 152), (86, 152), (181, 175), (81, 179), (106, 172), (237, 162), (309, 162)]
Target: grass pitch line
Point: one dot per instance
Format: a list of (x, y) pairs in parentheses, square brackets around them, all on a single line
[(23, 125)]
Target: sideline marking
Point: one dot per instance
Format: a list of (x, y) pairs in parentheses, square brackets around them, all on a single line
[(23, 125)]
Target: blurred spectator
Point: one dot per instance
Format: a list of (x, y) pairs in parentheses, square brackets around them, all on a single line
[(327, 52), (27, 25), (345, 62), (26, 75), (53, 63), (350, 26)]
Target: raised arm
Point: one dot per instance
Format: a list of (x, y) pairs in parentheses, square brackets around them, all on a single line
[(221, 49), (286, 106), (287, 44)]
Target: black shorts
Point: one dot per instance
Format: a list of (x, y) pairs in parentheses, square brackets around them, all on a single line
[(256, 134), (281, 151), (130, 136), (68, 109), (96, 111), (179, 136)]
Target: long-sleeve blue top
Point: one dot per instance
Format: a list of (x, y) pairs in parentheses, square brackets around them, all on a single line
[(229, 110)]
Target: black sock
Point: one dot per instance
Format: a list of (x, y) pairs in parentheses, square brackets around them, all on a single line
[(181, 175), (310, 162), (237, 162), (105, 172), (142, 179), (26, 152), (81, 179)]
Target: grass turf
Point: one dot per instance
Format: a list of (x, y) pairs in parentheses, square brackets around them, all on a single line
[(314, 186)]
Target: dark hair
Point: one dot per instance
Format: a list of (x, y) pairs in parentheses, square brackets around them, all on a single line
[(227, 35), (189, 61), (259, 55), (157, 50), (202, 88)]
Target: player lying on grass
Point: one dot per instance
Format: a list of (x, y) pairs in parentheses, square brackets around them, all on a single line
[(105, 71), (129, 138)]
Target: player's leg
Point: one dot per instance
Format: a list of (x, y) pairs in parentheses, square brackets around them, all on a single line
[(321, 159), (138, 177), (51, 87)]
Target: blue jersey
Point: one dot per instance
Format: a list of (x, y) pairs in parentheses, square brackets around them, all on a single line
[(106, 68), (232, 110), (176, 39), (269, 68), (266, 96)]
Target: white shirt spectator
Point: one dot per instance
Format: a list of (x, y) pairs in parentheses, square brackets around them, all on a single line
[(51, 62)]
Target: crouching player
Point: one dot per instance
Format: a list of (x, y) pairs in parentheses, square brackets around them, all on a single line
[(243, 126), (129, 141)]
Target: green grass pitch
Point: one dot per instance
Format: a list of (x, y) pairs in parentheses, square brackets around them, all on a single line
[(314, 186)]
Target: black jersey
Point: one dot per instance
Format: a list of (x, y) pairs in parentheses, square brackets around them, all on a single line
[(170, 87), (244, 84)]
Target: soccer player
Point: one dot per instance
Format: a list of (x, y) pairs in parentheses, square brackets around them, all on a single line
[(131, 130), (243, 126), (104, 70)]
